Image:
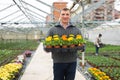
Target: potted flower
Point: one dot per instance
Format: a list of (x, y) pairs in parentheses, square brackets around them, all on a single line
[(71, 40), (48, 42), (56, 42), (64, 41), (79, 40)]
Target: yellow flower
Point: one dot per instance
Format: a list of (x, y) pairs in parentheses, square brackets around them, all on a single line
[(7, 72), (63, 40), (78, 36), (99, 75), (70, 39), (56, 39), (48, 41), (54, 36), (71, 35), (49, 38)]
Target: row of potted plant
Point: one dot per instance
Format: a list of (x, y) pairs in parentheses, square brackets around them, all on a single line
[(64, 40), (116, 57), (19, 45), (9, 71), (113, 72), (7, 55), (98, 61), (97, 74), (107, 65)]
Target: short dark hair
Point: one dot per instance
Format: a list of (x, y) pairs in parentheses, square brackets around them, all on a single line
[(65, 9)]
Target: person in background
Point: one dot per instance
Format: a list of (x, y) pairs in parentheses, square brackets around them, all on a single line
[(98, 44), (64, 62)]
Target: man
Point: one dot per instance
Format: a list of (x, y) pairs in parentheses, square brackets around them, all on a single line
[(64, 62)]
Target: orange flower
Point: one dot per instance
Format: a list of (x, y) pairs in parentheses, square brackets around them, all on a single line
[(64, 37)]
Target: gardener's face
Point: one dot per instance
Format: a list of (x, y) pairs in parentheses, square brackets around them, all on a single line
[(65, 16)]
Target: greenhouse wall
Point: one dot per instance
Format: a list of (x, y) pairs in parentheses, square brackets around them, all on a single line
[(110, 35)]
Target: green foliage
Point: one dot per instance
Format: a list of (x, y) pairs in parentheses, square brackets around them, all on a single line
[(107, 49), (19, 44), (9, 49)]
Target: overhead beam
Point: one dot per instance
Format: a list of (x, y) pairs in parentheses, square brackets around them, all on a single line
[(34, 12), (35, 17), (35, 7), (16, 17), (10, 14), (48, 5), (22, 10), (7, 7)]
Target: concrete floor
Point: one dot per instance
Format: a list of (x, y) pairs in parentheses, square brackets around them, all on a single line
[(40, 67)]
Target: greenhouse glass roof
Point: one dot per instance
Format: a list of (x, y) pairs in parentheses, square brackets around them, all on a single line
[(24, 13)]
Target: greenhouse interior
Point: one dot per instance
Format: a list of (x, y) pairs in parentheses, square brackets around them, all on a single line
[(24, 25)]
